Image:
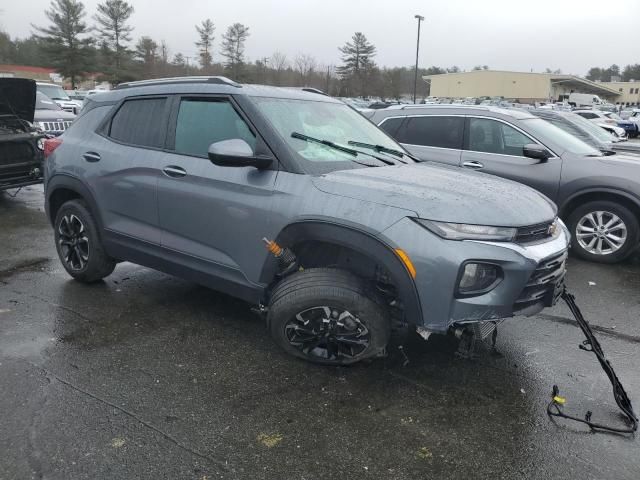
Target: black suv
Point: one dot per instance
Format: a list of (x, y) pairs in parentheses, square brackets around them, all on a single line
[(21, 145)]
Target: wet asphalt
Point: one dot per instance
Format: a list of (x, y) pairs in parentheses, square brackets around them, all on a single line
[(148, 376)]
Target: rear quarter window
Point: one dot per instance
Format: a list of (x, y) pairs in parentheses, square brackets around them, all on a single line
[(140, 122), (391, 125)]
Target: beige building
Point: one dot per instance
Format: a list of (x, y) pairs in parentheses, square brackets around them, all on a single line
[(629, 92), (521, 86)]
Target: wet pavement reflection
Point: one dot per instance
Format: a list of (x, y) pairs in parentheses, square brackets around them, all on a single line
[(147, 376)]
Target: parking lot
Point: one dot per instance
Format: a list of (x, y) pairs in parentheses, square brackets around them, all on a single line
[(148, 376)]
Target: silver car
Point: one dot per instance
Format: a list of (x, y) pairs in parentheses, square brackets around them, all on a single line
[(195, 176), (598, 195)]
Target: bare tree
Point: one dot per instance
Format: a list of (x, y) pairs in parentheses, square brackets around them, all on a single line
[(305, 65), (279, 63)]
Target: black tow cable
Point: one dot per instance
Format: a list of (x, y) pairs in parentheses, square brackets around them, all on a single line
[(591, 344)]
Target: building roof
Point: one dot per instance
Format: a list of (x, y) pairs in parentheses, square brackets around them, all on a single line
[(26, 68), (554, 78)]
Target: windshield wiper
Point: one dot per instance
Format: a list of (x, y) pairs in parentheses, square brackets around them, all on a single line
[(350, 151), (378, 148), (307, 138)]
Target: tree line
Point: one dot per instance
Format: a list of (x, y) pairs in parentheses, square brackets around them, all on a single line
[(606, 74), (77, 44)]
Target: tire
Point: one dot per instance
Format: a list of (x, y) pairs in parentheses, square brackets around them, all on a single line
[(79, 245), (580, 225), (344, 323)]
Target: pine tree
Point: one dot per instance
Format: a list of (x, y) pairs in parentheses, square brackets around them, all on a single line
[(205, 31), (357, 62), (233, 48), (111, 23), (66, 41), (147, 54)]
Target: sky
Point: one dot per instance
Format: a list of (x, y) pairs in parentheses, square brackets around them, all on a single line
[(522, 35)]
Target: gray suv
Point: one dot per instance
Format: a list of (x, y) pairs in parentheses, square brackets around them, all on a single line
[(195, 176), (597, 194)]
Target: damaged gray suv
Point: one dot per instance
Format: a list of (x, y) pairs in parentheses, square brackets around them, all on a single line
[(294, 202)]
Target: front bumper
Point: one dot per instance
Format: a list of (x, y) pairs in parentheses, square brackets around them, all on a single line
[(533, 275)]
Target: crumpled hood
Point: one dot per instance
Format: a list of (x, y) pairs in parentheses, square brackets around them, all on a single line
[(18, 97), (443, 193)]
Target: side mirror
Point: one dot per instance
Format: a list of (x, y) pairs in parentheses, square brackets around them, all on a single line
[(236, 153), (538, 152)]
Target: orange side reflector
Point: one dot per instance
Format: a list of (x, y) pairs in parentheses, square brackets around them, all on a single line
[(407, 262)]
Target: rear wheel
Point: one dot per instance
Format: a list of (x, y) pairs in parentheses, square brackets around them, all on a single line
[(603, 231), (326, 316), (78, 243)]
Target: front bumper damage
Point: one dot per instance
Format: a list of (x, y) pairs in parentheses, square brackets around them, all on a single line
[(532, 276)]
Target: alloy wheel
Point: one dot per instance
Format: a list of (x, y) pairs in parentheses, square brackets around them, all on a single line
[(601, 233), (73, 241), (327, 333)]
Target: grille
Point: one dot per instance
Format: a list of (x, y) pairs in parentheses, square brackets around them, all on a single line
[(54, 126), (542, 284), (533, 233)]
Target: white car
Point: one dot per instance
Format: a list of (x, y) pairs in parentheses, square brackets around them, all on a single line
[(619, 134), (597, 116), (58, 95), (631, 128)]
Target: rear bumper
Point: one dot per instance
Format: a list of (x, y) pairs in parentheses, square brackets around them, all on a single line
[(532, 275)]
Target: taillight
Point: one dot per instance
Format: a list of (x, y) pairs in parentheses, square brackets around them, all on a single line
[(50, 144)]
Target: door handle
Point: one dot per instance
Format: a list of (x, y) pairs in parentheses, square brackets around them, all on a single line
[(91, 156), (174, 172), (473, 164)]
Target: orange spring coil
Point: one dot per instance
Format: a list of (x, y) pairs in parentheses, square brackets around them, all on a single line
[(273, 247)]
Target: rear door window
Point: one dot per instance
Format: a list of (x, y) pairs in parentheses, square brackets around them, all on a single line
[(491, 136), (202, 122), (140, 122), (432, 131)]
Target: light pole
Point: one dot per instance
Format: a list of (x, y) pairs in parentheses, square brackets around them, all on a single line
[(415, 77)]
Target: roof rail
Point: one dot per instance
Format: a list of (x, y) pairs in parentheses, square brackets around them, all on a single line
[(218, 80)]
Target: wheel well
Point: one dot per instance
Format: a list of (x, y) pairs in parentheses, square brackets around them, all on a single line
[(595, 196), (317, 253), (58, 198)]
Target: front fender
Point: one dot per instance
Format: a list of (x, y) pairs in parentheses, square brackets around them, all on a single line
[(360, 241)]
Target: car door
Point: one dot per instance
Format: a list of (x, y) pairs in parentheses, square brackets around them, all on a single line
[(121, 166), (496, 147), (213, 217), (435, 138)]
